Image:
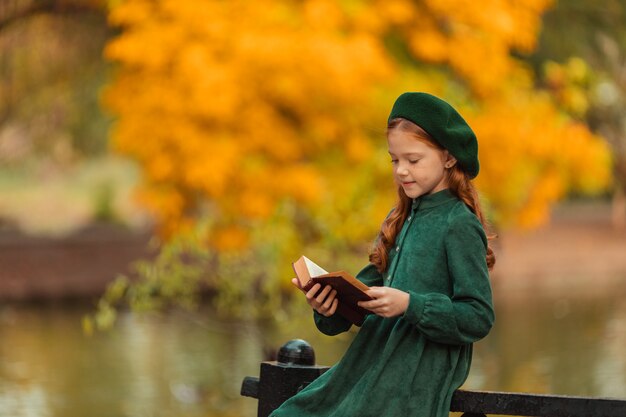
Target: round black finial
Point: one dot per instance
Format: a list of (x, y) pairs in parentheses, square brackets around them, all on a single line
[(296, 352)]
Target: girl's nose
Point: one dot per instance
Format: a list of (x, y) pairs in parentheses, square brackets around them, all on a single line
[(401, 169)]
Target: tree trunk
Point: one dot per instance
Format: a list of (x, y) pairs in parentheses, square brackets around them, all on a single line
[(618, 209)]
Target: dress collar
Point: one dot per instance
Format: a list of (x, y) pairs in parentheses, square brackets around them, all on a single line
[(432, 200)]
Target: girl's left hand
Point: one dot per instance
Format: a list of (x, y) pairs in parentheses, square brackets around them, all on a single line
[(387, 302)]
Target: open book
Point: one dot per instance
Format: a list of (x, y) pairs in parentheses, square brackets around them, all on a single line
[(349, 289)]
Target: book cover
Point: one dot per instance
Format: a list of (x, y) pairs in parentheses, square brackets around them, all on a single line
[(349, 289)]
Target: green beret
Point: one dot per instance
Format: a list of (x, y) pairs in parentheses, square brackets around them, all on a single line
[(441, 121)]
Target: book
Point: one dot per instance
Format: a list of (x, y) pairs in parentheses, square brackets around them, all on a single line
[(349, 289)]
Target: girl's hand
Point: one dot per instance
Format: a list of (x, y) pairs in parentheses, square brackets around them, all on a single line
[(387, 302), (324, 301)]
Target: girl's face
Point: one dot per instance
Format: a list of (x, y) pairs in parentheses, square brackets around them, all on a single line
[(418, 166)]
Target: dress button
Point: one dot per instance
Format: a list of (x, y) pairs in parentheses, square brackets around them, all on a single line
[(409, 219), (397, 248)]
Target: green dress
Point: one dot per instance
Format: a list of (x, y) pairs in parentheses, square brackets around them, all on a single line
[(411, 365)]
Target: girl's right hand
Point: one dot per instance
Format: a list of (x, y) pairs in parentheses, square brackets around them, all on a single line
[(324, 301)]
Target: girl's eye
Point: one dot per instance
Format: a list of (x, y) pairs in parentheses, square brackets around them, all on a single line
[(394, 161), (414, 161)]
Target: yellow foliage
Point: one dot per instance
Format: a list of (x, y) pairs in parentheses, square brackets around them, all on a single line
[(229, 238), (233, 108), (569, 83), (531, 156)]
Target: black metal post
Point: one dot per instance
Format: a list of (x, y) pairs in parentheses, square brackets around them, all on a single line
[(282, 379)]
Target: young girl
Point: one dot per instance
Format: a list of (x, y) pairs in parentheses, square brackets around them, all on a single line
[(428, 275)]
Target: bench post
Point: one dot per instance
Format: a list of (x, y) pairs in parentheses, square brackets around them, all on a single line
[(279, 380)]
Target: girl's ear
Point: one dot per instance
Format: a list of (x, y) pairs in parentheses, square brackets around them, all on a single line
[(450, 161)]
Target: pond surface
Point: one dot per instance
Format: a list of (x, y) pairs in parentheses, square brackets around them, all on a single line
[(192, 364)]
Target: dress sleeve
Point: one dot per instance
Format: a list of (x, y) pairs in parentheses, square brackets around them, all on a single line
[(336, 324), (467, 315)]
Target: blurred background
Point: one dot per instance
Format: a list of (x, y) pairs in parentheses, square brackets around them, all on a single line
[(163, 162)]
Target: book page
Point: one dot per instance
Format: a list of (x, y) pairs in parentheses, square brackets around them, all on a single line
[(314, 269)]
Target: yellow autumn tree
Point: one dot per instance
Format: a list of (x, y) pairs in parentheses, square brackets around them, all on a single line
[(267, 118), (231, 107)]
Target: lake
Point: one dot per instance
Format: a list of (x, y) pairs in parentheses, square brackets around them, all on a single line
[(191, 364)]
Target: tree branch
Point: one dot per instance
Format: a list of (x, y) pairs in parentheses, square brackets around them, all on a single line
[(37, 7)]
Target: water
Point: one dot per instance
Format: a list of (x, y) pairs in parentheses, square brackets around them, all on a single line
[(192, 364)]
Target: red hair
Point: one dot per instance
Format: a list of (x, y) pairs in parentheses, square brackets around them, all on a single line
[(459, 184)]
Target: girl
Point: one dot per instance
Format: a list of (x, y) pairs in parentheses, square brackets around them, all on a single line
[(429, 276)]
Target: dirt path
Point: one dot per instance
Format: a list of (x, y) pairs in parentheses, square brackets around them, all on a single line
[(578, 251), (76, 266)]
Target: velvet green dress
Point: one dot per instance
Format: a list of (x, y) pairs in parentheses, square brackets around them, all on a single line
[(411, 365)]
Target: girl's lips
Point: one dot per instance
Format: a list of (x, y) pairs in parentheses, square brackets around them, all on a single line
[(408, 183)]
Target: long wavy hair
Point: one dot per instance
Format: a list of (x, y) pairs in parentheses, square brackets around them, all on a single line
[(459, 184)]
